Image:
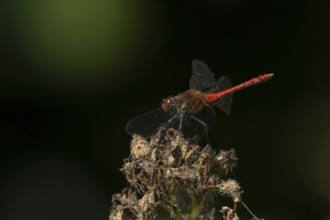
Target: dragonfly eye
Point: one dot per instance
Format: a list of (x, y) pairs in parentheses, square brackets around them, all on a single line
[(167, 103)]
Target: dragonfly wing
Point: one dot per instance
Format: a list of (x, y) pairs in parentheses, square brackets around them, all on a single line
[(224, 83), (148, 123), (193, 127), (202, 77), (224, 104)]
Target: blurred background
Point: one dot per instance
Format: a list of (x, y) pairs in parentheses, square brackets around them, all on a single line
[(74, 72)]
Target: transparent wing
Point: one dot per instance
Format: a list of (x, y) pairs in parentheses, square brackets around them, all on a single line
[(148, 123), (192, 128), (202, 77), (224, 104)]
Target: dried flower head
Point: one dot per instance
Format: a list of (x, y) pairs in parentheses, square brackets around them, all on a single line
[(230, 188), (140, 147), (172, 172), (228, 213)]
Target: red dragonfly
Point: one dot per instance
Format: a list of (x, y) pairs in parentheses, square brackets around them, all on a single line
[(191, 111)]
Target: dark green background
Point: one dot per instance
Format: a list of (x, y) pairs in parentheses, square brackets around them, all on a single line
[(74, 72)]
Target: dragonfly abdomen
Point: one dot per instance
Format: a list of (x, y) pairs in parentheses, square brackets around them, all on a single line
[(213, 97)]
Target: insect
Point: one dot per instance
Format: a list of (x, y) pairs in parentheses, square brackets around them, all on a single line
[(191, 111)]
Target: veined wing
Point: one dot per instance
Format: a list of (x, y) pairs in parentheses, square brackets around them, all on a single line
[(148, 123), (202, 77), (192, 127), (224, 104)]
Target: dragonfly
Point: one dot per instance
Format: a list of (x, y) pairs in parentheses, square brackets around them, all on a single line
[(191, 112)]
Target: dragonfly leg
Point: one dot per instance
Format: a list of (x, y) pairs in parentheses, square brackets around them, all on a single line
[(181, 118), (168, 123), (176, 115), (204, 125)]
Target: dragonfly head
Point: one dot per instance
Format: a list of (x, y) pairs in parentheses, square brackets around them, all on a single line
[(168, 103)]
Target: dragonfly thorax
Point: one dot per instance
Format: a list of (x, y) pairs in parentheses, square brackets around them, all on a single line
[(190, 101)]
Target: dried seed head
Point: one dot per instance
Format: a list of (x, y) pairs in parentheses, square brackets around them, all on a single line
[(173, 172), (147, 204), (228, 213), (226, 161), (188, 150), (140, 147), (123, 205), (117, 214), (230, 188)]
